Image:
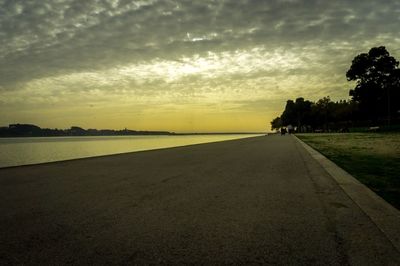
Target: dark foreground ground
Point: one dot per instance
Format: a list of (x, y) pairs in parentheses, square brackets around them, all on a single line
[(261, 200)]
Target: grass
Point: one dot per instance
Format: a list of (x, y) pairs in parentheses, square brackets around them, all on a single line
[(372, 158)]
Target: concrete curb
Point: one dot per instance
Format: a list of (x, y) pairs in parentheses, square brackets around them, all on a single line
[(384, 215)]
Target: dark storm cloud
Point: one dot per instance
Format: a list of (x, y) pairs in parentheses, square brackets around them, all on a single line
[(47, 38)]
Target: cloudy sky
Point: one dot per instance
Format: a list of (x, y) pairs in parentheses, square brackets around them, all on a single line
[(209, 65)]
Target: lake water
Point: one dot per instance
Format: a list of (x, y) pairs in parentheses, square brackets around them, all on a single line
[(22, 151)]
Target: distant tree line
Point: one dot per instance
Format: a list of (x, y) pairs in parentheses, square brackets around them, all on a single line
[(28, 130), (374, 101), (324, 114)]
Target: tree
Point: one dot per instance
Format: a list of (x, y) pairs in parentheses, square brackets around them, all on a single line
[(377, 89), (297, 113), (324, 107), (303, 112), (289, 114), (276, 124)]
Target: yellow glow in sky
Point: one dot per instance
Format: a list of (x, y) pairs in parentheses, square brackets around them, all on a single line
[(180, 66), (227, 91)]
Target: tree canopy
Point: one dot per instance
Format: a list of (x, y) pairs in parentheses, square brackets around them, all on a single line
[(374, 100), (377, 83), (306, 115)]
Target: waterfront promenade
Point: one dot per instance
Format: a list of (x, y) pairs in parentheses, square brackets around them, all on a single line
[(262, 200)]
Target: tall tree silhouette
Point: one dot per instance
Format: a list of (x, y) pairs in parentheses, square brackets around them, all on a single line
[(297, 113), (378, 83)]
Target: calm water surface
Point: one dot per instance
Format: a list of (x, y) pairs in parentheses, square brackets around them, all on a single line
[(21, 151)]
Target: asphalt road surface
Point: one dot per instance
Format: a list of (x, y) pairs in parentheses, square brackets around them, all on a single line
[(260, 200)]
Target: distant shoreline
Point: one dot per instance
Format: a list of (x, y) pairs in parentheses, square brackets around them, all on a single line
[(145, 134), (29, 130)]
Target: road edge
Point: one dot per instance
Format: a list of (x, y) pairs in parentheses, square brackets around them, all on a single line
[(384, 215)]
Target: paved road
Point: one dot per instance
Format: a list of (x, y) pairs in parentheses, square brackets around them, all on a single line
[(260, 200)]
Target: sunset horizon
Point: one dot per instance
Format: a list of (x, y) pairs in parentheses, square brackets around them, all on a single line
[(216, 66)]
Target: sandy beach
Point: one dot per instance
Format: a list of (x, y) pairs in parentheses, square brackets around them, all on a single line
[(260, 200)]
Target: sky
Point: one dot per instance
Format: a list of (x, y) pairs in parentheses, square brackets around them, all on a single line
[(182, 66)]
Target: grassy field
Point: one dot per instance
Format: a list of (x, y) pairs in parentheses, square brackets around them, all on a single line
[(372, 158)]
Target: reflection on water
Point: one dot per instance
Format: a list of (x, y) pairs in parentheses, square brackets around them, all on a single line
[(21, 151)]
